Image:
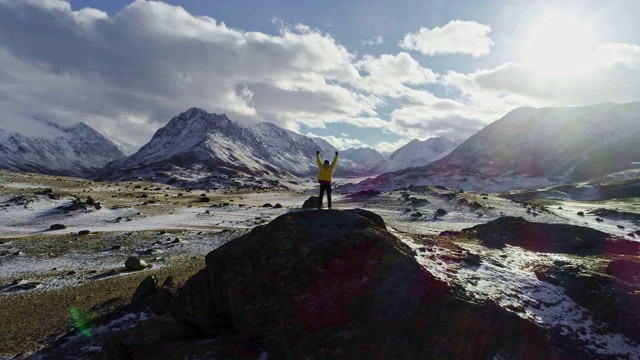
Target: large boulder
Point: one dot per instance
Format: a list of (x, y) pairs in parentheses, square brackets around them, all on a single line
[(337, 284)]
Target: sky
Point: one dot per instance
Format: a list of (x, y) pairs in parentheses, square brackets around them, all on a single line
[(374, 73)]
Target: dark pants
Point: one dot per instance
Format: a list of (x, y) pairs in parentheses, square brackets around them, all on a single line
[(325, 186)]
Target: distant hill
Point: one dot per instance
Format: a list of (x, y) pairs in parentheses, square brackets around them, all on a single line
[(416, 153), (531, 147), (46, 148)]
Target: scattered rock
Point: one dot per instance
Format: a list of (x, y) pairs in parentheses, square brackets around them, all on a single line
[(472, 259), (135, 263), (580, 213), (277, 206), (267, 205), (57, 227), (364, 193), (147, 288), (84, 232), (441, 212), (311, 203)]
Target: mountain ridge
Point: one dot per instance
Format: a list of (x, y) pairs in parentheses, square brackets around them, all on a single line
[(76, 150), (530, 148)]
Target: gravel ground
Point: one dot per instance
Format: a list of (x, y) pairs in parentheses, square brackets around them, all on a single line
[(31, 320)]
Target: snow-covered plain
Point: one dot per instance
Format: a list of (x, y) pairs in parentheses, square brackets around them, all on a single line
[(164, 213)]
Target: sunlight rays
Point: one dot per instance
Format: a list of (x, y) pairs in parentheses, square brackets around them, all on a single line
[(559, 44)]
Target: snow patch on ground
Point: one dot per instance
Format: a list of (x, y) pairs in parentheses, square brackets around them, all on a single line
[(505, 277)]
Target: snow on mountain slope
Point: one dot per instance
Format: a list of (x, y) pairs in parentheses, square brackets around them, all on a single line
[(415, 153), (565, 144), (46, 148), (208, 150), (363, 159), (535, 148), (286, 149), (197, 148)]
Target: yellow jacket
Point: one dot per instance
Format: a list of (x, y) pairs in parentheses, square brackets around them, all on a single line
[(325, 171)]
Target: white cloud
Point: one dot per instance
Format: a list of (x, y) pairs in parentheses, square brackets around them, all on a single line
[(519, 85), (390, 74), (152, 60), (456, 37), (340, 143), (376, 40)]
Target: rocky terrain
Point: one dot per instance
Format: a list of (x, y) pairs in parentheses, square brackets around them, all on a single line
[(248, 274)]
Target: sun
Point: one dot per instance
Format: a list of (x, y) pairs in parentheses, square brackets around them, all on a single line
[(559, 43)]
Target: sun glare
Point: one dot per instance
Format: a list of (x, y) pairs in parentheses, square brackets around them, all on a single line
[(559, 44)]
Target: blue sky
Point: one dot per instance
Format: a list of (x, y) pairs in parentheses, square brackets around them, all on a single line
[(358, 73)]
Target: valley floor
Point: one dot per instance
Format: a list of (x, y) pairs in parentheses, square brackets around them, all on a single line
[(47, 273)]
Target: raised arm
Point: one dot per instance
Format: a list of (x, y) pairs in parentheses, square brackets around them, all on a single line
[(335, 159), (318, 158)]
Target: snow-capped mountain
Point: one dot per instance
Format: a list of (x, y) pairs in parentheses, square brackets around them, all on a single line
[(197, 148), (363, 159), (46, 148), (531, 147), (416, 153)]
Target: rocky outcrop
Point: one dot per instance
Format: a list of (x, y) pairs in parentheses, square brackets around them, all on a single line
[(609, 299), (316, 284), (555, 238), (326, 284)]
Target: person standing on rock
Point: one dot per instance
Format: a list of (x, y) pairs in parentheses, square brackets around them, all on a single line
[(325, 171)]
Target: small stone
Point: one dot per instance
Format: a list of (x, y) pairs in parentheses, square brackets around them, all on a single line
[(57, 227), (472, 259), (135, 263)]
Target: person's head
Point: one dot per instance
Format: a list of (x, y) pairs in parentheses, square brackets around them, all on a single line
[(326, 162)]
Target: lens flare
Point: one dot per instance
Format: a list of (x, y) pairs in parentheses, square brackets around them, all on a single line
[(83, 320)]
